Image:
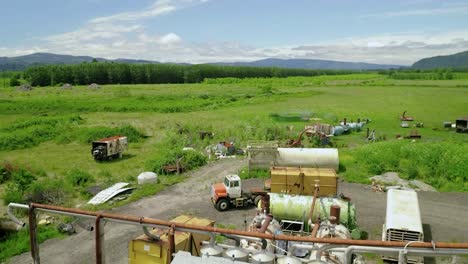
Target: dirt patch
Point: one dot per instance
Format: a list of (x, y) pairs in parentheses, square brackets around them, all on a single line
[(392, 179), (445, 214)]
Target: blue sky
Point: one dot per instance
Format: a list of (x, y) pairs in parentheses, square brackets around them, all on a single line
[(393, 32)]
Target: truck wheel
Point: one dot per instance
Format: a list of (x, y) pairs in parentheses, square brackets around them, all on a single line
[(222, 205), (257, 200)]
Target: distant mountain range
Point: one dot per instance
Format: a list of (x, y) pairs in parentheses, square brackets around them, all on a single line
[(22, 62), (458, 60), (311, 64)]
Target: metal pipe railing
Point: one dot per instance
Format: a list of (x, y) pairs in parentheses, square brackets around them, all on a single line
[(193, 228), (142, 221)]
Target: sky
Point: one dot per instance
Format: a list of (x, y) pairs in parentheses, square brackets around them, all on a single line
[(197, 31)]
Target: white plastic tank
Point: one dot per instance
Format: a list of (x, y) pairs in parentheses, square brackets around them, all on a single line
[(147, 177), (308, 158)]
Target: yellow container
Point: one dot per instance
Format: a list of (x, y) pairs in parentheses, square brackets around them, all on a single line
[(142, 250), (198, 238), (296, 180)]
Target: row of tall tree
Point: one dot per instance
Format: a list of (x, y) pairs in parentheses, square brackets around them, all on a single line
[(121, 73)]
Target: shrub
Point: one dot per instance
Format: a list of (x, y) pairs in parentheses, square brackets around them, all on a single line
[(16, 243), (12, 194), (88, 135), (190, 159), (14, 81), (77, 177), (440, 164), (48, 191)]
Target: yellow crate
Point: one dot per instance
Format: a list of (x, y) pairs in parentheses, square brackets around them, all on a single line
[(198, 238), (142, 250), (295, 180)]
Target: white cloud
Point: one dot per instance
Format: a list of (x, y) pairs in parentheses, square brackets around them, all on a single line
[(460, 8), (158, 8), (123, 35)]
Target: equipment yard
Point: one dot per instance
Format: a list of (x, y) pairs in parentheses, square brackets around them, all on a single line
[(445, 213), (167, 150)]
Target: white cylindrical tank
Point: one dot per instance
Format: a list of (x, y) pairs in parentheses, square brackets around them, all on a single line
[(147, 177), (308, 157)]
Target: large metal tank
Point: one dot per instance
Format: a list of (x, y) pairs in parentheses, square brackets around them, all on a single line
[(308, 157), (296, 207)]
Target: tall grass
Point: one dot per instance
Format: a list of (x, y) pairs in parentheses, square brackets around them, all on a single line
[(16, 243), (441, 164)]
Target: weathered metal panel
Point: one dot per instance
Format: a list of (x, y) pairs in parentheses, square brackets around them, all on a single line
[(295, 180), (403, 211), (106, 194)]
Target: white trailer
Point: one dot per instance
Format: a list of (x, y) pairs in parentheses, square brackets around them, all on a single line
[(403, 220)]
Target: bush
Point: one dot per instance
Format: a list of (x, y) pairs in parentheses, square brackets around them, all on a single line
[(16, 243), (23, 178), (440, 164), (14, 82), (167, 156), (48, 191), (88, 135), (77, 177), (12, 194)]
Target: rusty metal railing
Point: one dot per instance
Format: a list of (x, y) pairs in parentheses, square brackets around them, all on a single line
[(101, 217)]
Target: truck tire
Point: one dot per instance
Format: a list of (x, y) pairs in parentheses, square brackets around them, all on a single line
[(257, 199), (222, 205)]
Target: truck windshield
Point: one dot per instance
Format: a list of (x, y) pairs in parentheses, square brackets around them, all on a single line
[(226, 182)]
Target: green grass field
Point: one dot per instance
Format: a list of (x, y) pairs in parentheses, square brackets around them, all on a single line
[(48, 137)]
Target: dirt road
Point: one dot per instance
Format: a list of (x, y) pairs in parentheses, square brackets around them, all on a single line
[(445, 213)]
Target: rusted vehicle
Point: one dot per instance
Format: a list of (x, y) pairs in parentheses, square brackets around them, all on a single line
[(109, 148)]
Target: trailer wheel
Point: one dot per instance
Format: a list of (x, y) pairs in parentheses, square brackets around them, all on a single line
[(222, 205)]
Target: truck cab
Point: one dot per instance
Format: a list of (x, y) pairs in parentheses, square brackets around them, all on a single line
[(229, 193), (233, 186)]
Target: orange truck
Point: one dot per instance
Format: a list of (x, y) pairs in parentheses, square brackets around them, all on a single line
[(229, 193)]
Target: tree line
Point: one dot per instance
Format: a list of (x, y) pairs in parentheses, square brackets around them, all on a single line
[(122, 73), (417, 74)]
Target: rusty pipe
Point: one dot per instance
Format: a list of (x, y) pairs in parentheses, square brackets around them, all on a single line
[(266, 224), (150, 235), (98, 239), (171, 243), (33, 235), (156, 222), (312, 206), (315, 230)]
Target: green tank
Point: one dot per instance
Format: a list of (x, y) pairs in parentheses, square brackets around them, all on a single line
[(297, 208)]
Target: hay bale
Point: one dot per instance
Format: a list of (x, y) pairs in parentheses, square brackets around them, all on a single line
[(94, 86), (67, 86), (25, 87)]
